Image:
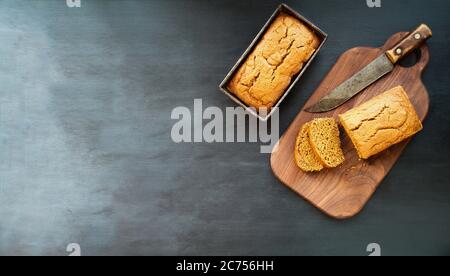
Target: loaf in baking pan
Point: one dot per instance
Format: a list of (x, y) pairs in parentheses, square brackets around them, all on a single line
[(304, 155), (267, 72), (381, 122)]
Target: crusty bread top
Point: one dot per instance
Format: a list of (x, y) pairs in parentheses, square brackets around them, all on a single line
[(381, 122), (268, 70)]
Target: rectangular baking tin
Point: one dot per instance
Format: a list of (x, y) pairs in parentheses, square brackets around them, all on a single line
[(286, 9)]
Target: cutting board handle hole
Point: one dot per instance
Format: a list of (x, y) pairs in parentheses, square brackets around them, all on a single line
[(412, 59)]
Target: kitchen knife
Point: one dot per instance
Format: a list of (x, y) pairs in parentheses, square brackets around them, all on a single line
[(372, 72)]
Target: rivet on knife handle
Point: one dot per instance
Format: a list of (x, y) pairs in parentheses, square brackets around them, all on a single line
[(409, 43)]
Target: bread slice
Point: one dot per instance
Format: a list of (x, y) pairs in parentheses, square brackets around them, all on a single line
[(305, 158), (324, 139)]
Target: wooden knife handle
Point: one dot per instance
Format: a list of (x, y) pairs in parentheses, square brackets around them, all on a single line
[(409, 43)]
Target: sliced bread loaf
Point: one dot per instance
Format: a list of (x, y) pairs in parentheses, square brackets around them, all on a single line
[(381, 122), (324, 139), (305, 158)]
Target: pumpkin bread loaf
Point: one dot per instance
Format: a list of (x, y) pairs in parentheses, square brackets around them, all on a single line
[(282, 52), (381, 122), (325, 141), (305, 158)]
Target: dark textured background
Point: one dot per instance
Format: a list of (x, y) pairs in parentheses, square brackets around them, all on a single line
[(85, 149)]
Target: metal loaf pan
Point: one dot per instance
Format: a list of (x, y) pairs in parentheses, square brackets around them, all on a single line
[(283, 8)]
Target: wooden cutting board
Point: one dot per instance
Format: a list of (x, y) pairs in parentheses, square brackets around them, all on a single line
[(342, 192)]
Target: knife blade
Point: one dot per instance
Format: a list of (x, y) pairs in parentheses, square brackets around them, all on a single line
[(378, 68)]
